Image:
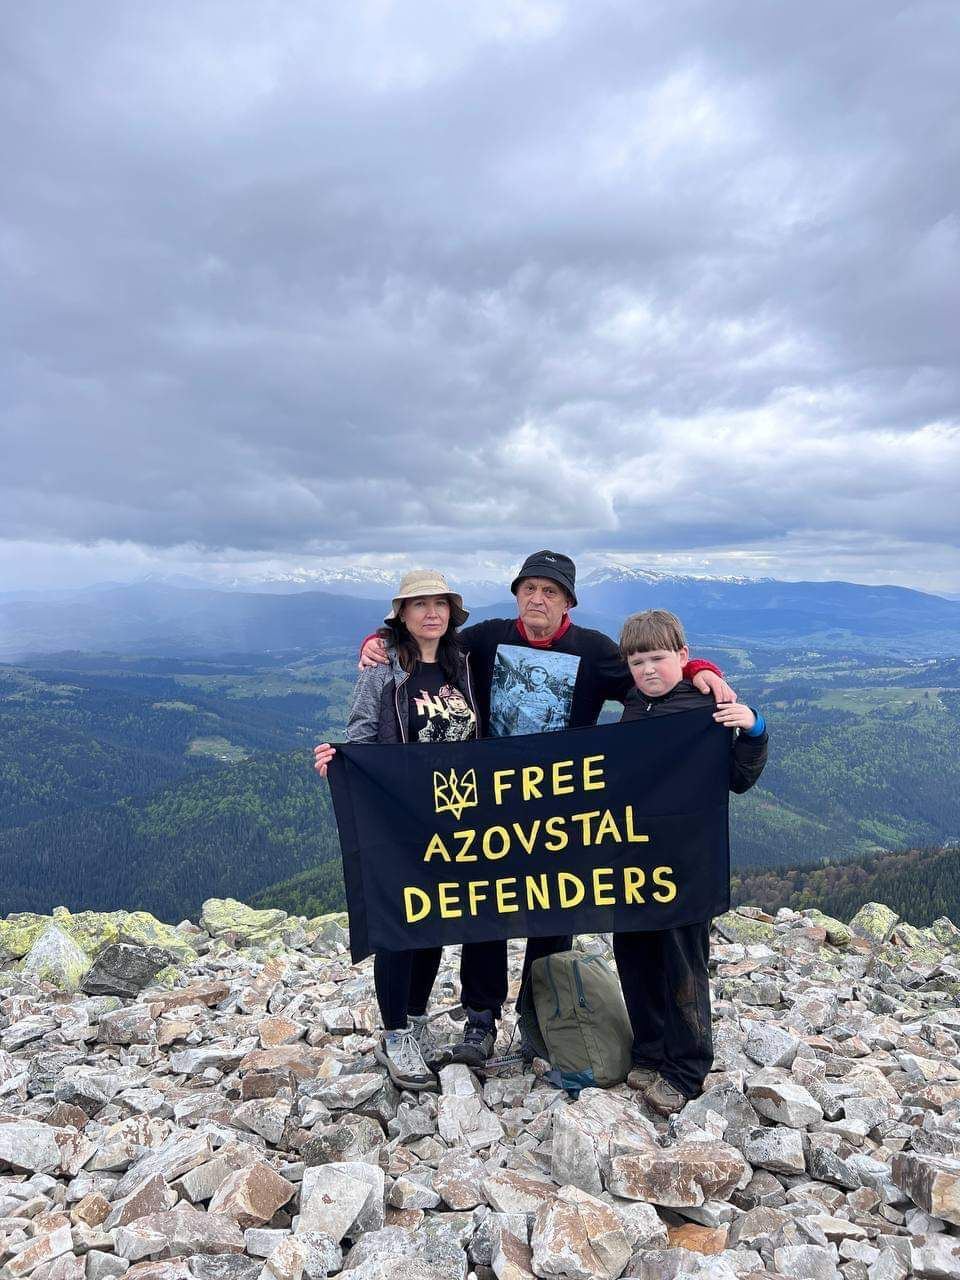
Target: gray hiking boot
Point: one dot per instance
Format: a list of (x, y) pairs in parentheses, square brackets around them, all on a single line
[(478, 1040), (400, 1054), (663, 1098), (641, 1077), (422, 1028)]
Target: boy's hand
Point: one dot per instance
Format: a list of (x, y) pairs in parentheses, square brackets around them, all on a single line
[(710, 682), (735, 715), (373, 653), (322, 756)]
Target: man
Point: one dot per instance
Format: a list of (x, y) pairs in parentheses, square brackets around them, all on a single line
[(587, 668)]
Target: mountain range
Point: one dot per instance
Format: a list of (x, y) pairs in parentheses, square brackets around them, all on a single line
[(155, 617)]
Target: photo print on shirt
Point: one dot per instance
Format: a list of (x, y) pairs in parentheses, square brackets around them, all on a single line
[(532, 690), (445, 716)]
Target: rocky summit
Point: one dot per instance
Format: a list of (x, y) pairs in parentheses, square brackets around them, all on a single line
[(202, 1101)]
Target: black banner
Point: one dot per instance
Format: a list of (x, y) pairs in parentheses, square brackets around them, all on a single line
[(622, 827)]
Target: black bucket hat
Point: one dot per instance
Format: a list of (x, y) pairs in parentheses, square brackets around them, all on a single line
[(549, 564)]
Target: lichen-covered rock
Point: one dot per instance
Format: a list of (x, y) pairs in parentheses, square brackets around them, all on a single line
[(738, 928), (874, 922), (18, 933), (838, 933), (56, 958), (223, 917), (94, 930)]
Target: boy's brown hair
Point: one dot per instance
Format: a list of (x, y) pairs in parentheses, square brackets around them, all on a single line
[(652, 629)]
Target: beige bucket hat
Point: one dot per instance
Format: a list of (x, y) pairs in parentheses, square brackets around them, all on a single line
[(428, 582)]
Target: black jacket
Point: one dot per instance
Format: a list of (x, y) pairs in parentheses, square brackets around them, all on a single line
[(380, 707), (747, 755)]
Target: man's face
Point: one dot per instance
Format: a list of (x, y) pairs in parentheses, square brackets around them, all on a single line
[(537, 676), (541, 604), (455, 700), (656, 671)]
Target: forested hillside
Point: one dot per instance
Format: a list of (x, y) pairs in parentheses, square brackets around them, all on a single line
[(71, 738), (842, 781), (222, 835), (156, 782), (919, 884)]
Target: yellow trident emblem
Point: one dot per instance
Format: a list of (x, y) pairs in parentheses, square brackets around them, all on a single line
[(452, 794)]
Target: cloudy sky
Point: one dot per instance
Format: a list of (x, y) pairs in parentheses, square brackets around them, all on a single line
[(321, 282)]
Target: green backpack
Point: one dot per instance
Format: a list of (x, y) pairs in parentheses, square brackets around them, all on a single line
[(572, 1014)]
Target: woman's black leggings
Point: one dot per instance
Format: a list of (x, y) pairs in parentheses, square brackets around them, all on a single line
[(404, 980)]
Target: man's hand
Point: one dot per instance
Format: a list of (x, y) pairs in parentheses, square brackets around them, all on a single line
[(735, 715), (710, 682), (322, 756), (373, 653)]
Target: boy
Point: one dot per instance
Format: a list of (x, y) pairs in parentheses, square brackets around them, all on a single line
[(664, 974)]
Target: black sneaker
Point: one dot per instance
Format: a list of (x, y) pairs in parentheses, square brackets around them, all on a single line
[(478, 1039)]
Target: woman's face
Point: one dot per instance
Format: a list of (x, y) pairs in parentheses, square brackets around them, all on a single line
[(426, 617)]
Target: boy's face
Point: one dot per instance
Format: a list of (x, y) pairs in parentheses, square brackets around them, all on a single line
[(656, 671)]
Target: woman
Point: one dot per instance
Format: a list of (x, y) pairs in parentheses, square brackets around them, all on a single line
[(422, 694)]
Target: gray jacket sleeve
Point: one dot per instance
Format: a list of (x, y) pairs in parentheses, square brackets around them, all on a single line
[(363, 724)]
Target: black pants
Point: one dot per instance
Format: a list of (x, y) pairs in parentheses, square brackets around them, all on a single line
[(483, 969), (404, 980), (667, 992)]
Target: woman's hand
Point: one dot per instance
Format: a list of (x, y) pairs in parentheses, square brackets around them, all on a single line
[(322, 756), (373, 653), (735, 715)]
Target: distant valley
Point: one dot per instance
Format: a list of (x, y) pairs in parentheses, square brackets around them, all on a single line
[(157, 618)]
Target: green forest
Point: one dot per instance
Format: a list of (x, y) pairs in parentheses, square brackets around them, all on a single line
[(156, 782), (919, 884)]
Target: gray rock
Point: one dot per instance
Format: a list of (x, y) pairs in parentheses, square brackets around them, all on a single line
[(104, 1266), (776, 1095), (778, 1149), (351, 1138), (936, 1256), (770, 1045), (331, 1200), (122, 969), (26, 1144), (807, 1262), (931, 1183), (222, 1266)]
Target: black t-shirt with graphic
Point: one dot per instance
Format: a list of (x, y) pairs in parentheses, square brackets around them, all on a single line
[(438, 711), (522, 688)]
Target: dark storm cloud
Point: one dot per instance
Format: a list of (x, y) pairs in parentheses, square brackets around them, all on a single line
[(667, 276)]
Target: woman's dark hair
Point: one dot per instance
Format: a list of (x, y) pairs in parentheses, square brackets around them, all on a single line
[(395, 634)]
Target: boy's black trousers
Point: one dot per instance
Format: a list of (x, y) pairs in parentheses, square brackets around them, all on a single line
[(666, 988)]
